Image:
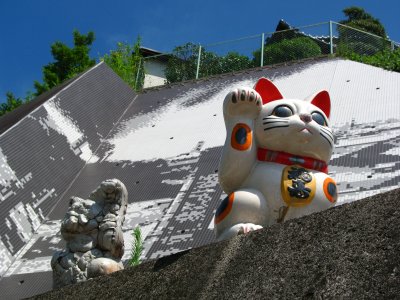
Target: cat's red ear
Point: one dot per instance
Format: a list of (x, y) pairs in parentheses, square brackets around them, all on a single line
[(267, 90), (322, 100)]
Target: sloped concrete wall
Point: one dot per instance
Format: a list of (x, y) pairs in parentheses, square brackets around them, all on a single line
[(347, 252)]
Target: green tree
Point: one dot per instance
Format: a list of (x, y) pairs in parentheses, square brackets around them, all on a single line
[(288, 50), (386, 59), (363, 47), (354, 41), (68, 61), (233, 61), (358, 18), (212, 64), (127, 62), (11, 103), (182, 64)]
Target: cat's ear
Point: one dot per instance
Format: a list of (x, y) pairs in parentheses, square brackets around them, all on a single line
[(267, 90), (322, 100)]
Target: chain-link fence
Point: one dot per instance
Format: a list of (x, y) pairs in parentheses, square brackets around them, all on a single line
[(191, 61), (348, 40)]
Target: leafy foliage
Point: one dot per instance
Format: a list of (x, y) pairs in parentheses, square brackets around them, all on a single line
[(286, 32), (127, 61), (287, 50), (371, 47), (68, 61), (11, 103), (213, 64), (137, 247), (361, 42), (358, 18), (182, 64), (285, 44), (386, 59), (362, 47)]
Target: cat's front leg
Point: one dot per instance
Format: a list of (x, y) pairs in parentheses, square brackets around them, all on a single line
[(240, 212), (241, 228), (241, 107)]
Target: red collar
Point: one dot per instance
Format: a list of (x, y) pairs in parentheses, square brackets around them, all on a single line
[(290, 159)]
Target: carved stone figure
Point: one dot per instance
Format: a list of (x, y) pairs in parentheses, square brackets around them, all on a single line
[(274, 161), (92, 229)]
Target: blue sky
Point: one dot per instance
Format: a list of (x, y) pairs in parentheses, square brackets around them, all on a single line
[(28, 28)]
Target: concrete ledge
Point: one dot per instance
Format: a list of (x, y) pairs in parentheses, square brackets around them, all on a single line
[(351, 251)]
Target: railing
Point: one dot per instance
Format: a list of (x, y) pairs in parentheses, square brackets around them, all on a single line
[(192, 61)]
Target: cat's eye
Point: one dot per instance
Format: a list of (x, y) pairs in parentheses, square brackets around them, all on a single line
[(319, 118), (282, 111)]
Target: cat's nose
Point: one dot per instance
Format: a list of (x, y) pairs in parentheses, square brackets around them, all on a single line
[(306, 118)]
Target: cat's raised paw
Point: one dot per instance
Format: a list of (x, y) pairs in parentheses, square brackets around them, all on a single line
[(243, 102)]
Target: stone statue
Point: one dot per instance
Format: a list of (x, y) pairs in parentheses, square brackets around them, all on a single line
[(274, 161), (92, 229)]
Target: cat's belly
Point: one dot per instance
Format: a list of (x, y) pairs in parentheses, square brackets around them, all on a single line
[(267, 178)]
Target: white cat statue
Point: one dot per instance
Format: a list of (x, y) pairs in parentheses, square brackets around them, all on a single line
[(274, 162)]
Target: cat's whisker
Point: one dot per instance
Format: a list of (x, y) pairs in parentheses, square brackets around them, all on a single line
[(275, 118), (275, 121), (272, 127), (327, 133), (327, 136), (327, 130), (328, 140)]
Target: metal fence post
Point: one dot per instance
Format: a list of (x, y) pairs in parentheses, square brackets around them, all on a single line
[(262, 50), (331, 37), (137, 73), (198, 63)]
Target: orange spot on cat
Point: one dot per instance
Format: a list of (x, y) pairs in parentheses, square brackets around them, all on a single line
[(224, 209), (241, 137), (330, 189)]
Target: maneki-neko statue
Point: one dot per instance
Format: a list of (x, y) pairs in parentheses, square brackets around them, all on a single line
[(274, 162)]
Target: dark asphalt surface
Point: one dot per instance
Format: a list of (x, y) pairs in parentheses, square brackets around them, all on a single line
[(348, 252)]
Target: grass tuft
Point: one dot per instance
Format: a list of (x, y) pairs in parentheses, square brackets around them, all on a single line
[(137, 247)]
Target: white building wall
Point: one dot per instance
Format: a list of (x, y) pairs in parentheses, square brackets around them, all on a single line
[(155, 73)]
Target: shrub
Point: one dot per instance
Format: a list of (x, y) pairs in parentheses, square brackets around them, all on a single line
[(182, 64), (386, 59), (126, 61), (287, 50)]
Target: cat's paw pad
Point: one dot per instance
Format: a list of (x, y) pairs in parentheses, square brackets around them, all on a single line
[(246, 228), (243, 102)]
